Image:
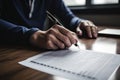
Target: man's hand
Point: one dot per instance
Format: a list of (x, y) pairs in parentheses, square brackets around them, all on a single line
[(57, 37), (88, 28)]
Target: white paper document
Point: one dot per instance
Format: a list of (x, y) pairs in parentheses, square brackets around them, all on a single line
[(110, 32), (75, 64)]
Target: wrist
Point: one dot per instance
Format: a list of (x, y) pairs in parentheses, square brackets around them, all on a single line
[(34, 37)]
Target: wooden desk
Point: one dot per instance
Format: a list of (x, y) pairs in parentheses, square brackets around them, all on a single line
[(11, 55)]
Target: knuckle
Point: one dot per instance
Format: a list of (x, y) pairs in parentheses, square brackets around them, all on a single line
[(51, 31), (66, 39), (67, 33), (73, 33), (55, 26)]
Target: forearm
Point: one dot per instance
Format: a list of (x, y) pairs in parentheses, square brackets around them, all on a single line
[(11, 33)]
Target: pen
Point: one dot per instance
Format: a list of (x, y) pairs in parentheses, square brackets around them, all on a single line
[(56, 21), (52, 18)]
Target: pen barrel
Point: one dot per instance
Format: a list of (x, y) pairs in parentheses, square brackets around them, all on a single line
[(53, 19)]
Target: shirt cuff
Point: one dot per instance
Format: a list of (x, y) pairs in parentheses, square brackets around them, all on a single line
[(74, 23)]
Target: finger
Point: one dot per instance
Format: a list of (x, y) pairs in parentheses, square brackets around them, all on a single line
[(57, 42), (75, 37), (54, 31), (68, 34), (90, 23), (88, 29), (89, 32), (79, 31), (51, 45), (94, 31)]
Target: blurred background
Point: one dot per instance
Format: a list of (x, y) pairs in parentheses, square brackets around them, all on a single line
[(101, 12)]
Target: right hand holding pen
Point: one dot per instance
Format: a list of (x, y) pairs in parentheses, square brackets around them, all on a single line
[(57, 37)]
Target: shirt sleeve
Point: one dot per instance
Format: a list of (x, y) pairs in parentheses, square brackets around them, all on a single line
[(0, 7), (65, 15), (15, 34)]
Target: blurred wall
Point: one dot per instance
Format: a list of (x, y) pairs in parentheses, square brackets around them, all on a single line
[(102, 19)]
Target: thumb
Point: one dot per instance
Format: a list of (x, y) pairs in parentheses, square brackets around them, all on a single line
[(78, 31)]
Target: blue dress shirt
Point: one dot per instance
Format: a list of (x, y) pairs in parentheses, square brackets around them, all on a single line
[(16, 26)]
